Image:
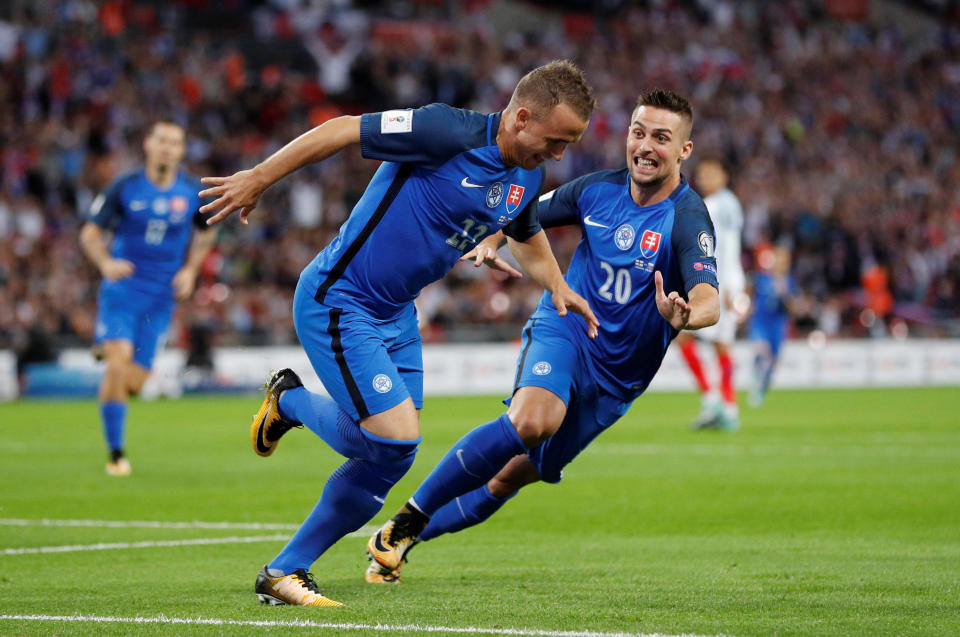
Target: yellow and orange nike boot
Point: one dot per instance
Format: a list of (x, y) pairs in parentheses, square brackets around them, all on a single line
[(296, 589), (268, 425)]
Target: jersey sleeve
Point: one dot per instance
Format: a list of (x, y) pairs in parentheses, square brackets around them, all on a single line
[(525, 225), (106, 210), (693, 241), (431, 134)]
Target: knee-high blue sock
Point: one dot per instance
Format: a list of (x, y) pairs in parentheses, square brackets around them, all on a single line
[(323, 416), (469, 464), (468, 510), (113, 415), (351, 497)]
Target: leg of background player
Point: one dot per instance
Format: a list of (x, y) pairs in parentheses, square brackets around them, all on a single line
[(729, 416), (113, 395), (709, 401), (762, 372)]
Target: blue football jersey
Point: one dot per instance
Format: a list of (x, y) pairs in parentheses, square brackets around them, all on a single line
[(441, 188), (151, 226), (769, 303), (623, 244)]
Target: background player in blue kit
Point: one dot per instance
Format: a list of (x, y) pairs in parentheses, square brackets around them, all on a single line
[(449, 178), (773, 291), (644, 230), (153, 262)]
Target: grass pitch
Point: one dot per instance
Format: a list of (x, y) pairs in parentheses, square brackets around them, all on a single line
[(830, 512)]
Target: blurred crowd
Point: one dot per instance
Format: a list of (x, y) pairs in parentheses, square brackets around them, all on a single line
[(840, 133)]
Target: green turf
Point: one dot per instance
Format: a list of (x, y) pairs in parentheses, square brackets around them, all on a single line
[(830, 512)]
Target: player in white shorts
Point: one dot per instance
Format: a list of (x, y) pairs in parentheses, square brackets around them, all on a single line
[(718, 409)]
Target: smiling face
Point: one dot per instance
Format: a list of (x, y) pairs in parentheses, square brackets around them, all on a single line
[(658, 141), (531, 140)]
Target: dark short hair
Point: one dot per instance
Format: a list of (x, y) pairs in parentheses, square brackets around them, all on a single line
[(560, 81), (165, 121), (668, 101)]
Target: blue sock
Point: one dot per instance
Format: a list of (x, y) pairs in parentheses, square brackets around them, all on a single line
[(466, 511), (350, 499), (113, 415), (321, 415), (768, 373), (469, 464)]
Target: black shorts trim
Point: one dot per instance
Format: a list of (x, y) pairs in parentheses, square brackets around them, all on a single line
[(528, 333), (341, 266), (333, 328)]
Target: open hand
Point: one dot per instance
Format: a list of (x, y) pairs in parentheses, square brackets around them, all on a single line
[(486, 253), (240, 191), (566, 299), (672, 307)]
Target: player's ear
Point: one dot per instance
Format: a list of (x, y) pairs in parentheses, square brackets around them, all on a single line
[(523, 117), (686, 150)]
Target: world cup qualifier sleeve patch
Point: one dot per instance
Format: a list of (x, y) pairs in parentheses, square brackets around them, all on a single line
[(396, 122)]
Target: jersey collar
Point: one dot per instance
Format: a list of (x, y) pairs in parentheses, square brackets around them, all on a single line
[(493, 125), (679, 190)]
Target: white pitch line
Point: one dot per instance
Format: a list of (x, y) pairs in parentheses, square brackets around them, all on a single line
[(363, 531), (306, 623), (107, 546)]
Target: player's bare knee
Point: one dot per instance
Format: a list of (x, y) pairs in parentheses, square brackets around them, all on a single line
[(401, 422), (535, 425)]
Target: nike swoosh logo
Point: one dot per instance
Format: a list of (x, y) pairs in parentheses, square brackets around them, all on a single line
[(260, 446), (378, 499), (467, 184), (587, 221), (378, 544), (464, 465)]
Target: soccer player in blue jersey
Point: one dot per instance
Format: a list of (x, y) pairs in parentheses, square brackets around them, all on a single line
[(449, 178), (644, 231), (773, 291), (154, 261)]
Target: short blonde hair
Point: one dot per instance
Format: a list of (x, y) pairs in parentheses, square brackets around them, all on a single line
[(559, 82)]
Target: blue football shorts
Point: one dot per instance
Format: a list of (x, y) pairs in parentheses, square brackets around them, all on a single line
[(772, 332), (551, 358), (368, 365), (127, 313)]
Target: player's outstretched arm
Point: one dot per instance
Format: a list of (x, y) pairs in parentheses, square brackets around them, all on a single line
[(535, 256), (185, 280), (486, 253), (241, 191), (702, 309), (91, 240)]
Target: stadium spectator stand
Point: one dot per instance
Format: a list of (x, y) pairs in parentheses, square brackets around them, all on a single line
[(838, 124)]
